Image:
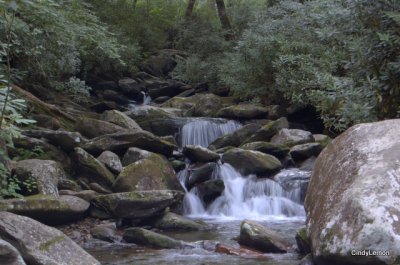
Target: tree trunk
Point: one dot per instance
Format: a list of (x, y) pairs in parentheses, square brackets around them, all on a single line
[(189, 9), (223, 17)]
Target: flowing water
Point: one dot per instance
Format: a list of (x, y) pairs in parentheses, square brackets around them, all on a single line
[(275, 203), (202, 131)]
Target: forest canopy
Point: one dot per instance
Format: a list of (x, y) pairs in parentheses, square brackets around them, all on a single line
[(341, 57)]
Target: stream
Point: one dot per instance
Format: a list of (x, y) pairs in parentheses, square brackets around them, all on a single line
[(275, 203)]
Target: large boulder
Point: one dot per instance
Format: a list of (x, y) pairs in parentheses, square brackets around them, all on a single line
[(66, 140), (44, 173), (120, 119), (207, 105), (292, 137), (236, 138), (46, 209), (211, 189), (92, 128), (131, 88), (252, 162), (151, 239), (138, 204), (197, 153), (9, 254), (277, 150), (244, 111), (198, 174), (120, 142), (40, 244), (261, 238), (266, 132), (92, 169), (151, 173), (111, 161), (353, 198)]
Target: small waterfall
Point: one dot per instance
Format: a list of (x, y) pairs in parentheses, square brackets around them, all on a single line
[(205, 131), (247, 197), (146, 99)]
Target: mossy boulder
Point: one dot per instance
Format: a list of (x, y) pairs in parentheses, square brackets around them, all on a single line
[(151, 173), (40, 244), (211, 189), (92, 169), (252, 162), (303, 241), (120, 119), (303, 151), (120, 142), (171, 221), (292, 137), (184, 103), (151, 239), (208, 105), (323, 139), (197, 153), (236, 138), (138, 204), (133, 155), (93, 128), (111, 161), (44, 173), (266, 132), (277, 150), (178, 165), (66, 140), (46, 209), (261, 238), (244, 111)]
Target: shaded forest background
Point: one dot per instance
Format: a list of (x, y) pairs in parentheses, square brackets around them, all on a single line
[(341, 57)]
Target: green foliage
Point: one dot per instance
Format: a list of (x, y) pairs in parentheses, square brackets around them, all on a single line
[(77, 89), (341, 58), (36, 152)]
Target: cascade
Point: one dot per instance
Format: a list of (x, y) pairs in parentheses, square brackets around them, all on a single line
[(246, 197), (202, 131), (146, 99)]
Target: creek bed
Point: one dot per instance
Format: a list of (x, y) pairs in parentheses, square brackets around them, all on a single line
[(222, 230)]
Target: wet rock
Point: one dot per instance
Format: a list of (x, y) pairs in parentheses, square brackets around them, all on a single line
[(111, 161), (266, 132), (66, 140), (46, 209), (277, 150), (303, 242), (308, 164), (291, 179), (40, 244), (261, 238), (151, 239), (93, 128), (197, 153), (292, 137), (240, 252), (304, 151), (92, 169), (151, 173), (243, 112), (120, 119), (45, 173), (252, 162), (236, 138), (178, 165), (211, 189), (105, 232), (172, 221), (138, 204), (200, 174), (353, 196), (120, 142), (133, 155), (9, 255)]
